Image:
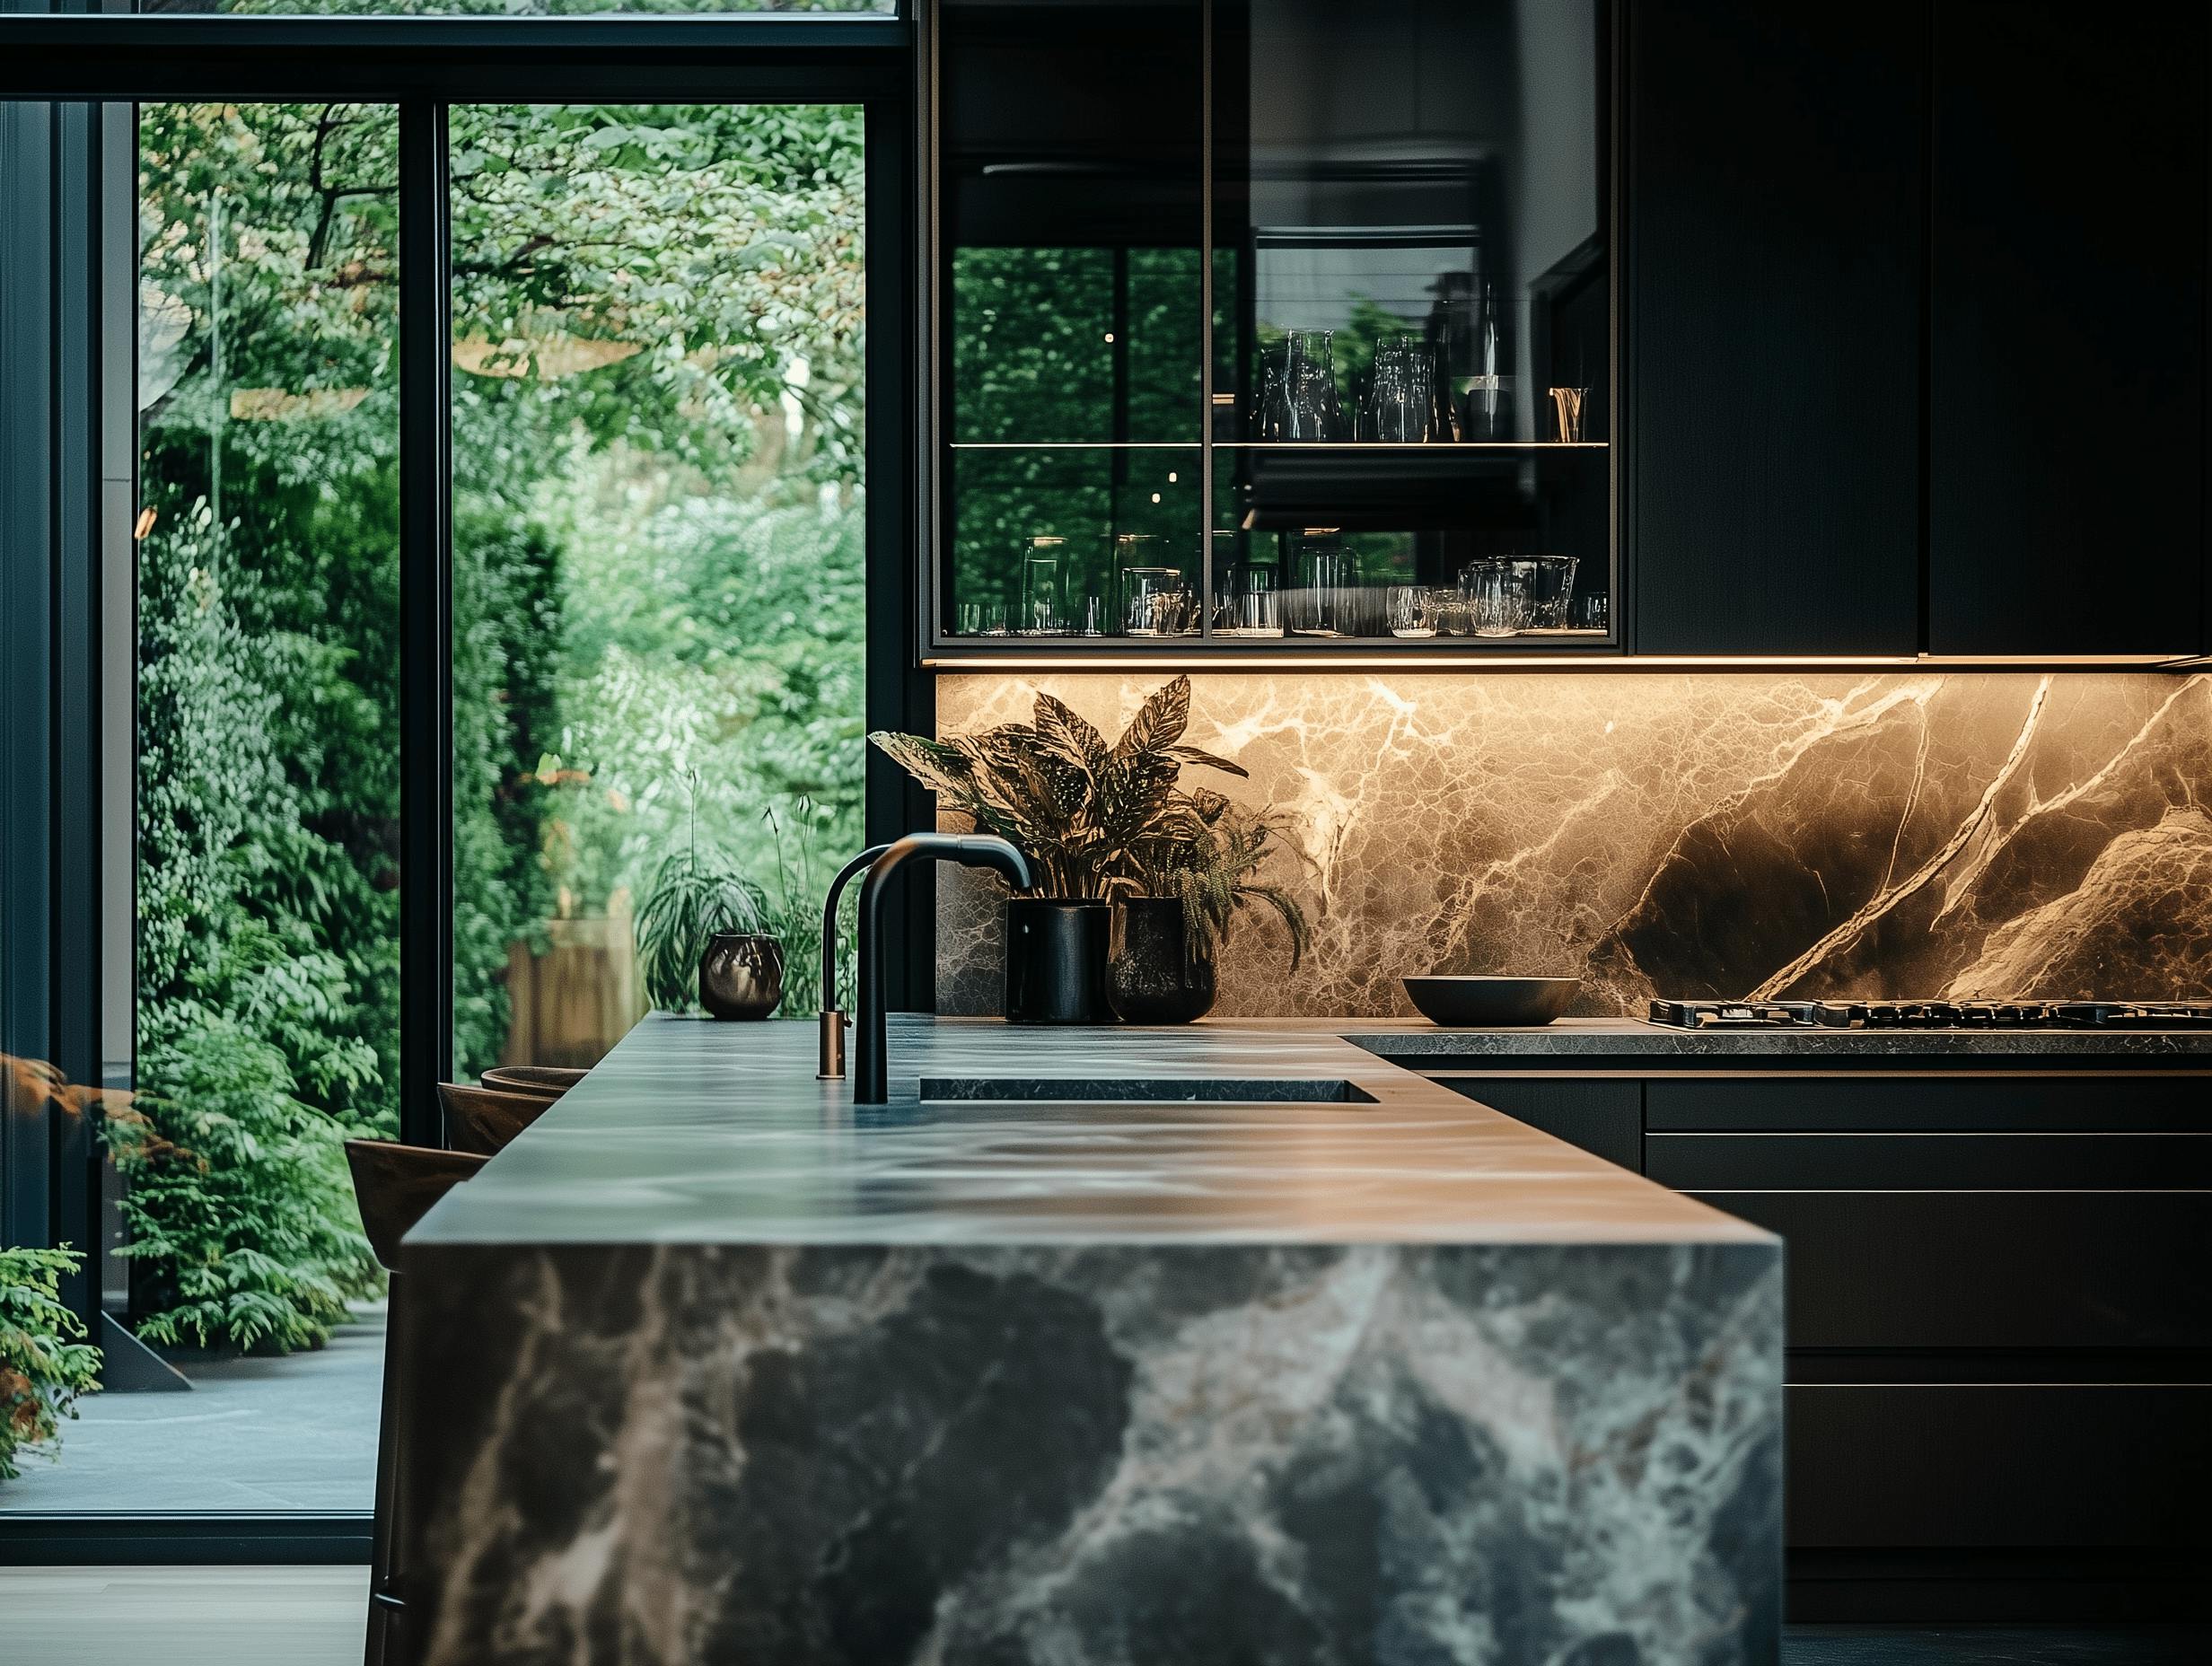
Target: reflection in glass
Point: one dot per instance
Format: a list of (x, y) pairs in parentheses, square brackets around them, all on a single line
[(657, 542)]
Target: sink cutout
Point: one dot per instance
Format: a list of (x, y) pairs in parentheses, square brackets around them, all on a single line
[(1159, 1090)]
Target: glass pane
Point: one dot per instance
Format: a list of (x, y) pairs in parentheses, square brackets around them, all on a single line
[(268, 805), (659, 624), (515, 8), (1412, 324), (1071, 173)]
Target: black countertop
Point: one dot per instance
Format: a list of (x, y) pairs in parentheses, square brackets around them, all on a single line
[(693, 1132), (1587, 1040)]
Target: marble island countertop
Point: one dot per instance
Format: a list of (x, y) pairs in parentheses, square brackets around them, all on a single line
[(702, 1133)]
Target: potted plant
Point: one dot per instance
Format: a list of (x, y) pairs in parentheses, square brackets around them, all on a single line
[(1200, 869), (1098, 822), (701, 931)]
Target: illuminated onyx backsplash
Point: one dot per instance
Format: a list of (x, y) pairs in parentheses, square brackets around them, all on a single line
[(1727, 834)]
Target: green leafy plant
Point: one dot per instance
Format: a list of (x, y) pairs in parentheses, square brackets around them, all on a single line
[(1209, 858), (238, 1200), (691, 898), (1101, 821), (44, 1366)]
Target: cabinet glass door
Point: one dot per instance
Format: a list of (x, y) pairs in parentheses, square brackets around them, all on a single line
[(1070, 186), (1412, 323)]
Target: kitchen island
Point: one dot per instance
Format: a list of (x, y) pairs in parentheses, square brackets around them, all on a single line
[(1233, 1343)]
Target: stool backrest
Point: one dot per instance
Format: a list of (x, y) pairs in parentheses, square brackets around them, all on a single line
[(395, 1186), (551, 1081), (483, 1120)]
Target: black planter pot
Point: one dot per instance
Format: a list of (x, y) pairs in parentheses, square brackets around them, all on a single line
[(740, 974), (1151, 976), (1056, 961)]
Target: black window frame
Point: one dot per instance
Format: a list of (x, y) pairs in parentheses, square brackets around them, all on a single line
[(62, 78)]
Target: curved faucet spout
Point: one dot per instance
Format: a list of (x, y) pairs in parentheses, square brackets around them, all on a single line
[(872, 1071), (829, 1042)]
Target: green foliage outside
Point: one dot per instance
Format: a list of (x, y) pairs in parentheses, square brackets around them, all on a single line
[(657, 558), (44, 1363)]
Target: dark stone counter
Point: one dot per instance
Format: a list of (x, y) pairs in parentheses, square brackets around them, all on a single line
[(1597, 1040), (709, 1365)]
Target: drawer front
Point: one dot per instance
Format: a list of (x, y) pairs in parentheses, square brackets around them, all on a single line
[(1998, 1465), (2177, 1104), (1605, 1118), (1990, 1270), (1930, 1161)]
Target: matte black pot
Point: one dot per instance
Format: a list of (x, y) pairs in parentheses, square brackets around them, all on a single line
[(1151, 976), (1056, 961), (740, 974)]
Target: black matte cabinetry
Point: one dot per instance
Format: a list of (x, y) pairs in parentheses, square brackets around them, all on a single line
[(1771, 336), (2066, 262)]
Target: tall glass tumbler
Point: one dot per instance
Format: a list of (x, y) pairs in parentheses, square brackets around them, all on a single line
[(1044, 588)]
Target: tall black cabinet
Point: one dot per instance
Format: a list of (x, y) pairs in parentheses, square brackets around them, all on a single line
[(2067, 342), (1771, 339), (1914, 329)]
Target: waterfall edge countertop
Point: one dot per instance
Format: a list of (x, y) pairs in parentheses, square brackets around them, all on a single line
[(707, 1365), (696, 1132)]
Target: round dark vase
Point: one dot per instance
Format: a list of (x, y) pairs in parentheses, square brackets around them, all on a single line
[(740, 974), (1152, 976), (1056, 961)]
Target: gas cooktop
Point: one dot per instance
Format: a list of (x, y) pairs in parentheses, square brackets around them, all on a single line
[(1933, 1014)]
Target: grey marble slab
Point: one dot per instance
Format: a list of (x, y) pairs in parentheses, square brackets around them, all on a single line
[(696, 1132), (1230, 1345), (1634, 1039)]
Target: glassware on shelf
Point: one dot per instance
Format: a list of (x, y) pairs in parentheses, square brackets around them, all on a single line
[(1249, 602), (1590, 611), (1086, 615), (1321, 578), (1298, 389), (1551, 590), (1498, 595), (1155, 602), (1044, 611), (982, 619), (1566, 408), (1448, 608), (1398, 406), (1411, 609), (1487, 411)]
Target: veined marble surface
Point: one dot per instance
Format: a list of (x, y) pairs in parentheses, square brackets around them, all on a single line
[(1632, 1040), (1914, 834), (696, 1132), (707, 1368)]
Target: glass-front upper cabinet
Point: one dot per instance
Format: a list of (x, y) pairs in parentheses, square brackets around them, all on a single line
[(1274, 324)]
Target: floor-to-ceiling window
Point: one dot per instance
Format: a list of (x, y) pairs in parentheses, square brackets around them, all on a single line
[(652, 459), (658, 544)]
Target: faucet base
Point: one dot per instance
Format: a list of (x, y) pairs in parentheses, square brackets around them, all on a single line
[(830, 1053)]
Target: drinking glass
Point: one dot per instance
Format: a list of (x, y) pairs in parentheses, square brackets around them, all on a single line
[(1321, 577), (1551, 589), (1250, 604), (1086, 615), (1155, 602), (1400, 396), (982, 619), (1592, 610), (1448, 607), (1298, 389), (1412, 612), (1043, 608), (1497, 596)]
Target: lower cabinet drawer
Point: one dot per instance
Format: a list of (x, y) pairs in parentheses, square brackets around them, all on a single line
[(1605, 1118), (1998, 1465), (1990, 1270), (1930, 1161)]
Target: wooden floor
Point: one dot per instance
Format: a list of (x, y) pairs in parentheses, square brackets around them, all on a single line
[(313, 1617), (182, 1616)]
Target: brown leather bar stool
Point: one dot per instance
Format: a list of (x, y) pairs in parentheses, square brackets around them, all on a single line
[(395, 1187), (551, 1081), (483, 1120)]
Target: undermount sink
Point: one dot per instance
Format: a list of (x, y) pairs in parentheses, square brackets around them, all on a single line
[(1158, 1090)]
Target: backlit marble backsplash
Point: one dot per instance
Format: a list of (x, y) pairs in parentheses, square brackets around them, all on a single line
[(1716, 835)]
